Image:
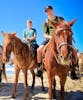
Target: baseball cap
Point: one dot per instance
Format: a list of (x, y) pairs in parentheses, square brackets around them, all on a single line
[(48, 7)]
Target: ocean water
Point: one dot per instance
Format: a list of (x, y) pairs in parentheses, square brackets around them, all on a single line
[(10, 69)]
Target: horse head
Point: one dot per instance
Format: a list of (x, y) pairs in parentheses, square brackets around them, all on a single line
[(63, 39), (8, 45)]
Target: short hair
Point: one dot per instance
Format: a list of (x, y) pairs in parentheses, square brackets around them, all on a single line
[(29, 21)]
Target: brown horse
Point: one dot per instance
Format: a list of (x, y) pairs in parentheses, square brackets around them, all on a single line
[(58, 56), (23, 59)]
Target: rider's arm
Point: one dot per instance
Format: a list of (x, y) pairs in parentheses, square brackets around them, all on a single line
[(47, 36), (24, 35), (33, 38), (45, 31), (34, 35)]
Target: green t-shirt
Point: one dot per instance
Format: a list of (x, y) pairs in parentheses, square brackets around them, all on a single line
[(48, 28)]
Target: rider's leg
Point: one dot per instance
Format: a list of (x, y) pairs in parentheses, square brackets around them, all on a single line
[(39, 51), (39, 54), (39, 60)]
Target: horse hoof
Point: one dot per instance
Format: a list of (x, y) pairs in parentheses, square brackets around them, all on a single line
[(26, 98), (54, 96), (43, 89), (14, 97), (32, 87)]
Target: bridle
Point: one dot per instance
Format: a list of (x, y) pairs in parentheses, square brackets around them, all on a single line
[(58, 57), (63, 43)]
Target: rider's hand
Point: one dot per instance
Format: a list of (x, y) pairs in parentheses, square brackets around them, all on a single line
[(28, 39)]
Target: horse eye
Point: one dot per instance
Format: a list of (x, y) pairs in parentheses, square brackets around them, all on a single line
[(58, 34), (70, 33)]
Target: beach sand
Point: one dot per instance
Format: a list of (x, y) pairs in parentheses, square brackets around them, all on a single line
[(73, 88)]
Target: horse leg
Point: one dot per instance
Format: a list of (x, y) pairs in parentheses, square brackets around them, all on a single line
[(25, 83), (42, 83), (0, 76), (80, 75), (33, 75), (54, 85), (62, 83), (50, 81), (16, 81), (80, 71)]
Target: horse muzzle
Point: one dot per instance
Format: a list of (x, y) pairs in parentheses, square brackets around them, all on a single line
[(64, 55), (64, 60)]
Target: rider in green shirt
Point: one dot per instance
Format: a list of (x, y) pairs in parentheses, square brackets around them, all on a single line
[(48, 30)]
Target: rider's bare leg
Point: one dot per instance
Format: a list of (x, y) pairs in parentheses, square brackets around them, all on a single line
[(39, 54)]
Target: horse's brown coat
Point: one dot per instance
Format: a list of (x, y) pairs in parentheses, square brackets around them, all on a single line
[(51, 65), (23, 59)]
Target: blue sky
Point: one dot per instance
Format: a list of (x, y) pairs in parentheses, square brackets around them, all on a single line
[(14, 13)]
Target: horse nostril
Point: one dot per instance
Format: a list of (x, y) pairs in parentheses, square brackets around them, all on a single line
[(61, 56), (70, 57)]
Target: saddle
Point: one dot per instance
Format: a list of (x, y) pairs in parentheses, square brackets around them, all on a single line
[(32, 49), (44, 50), (43, 54)]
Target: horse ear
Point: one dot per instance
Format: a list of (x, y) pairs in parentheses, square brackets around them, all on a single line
[(14, 34), (72, 22), (3, 34)]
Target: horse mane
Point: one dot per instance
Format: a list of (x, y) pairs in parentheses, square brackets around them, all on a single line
[(52, 46), (18, 43), (23, 48)]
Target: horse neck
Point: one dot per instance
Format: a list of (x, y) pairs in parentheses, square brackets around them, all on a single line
[(18, 46), (52, 44), (53, 49)]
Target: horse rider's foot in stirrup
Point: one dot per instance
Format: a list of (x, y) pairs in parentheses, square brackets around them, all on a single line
[(39, 70)]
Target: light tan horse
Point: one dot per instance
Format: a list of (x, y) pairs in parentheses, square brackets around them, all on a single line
[(58, 56), (80, 64), (23, 59), (2, 66)]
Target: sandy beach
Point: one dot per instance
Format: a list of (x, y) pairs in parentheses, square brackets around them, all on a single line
[(73, 88)]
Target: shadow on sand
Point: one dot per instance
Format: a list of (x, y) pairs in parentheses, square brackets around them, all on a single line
[(36, 94)]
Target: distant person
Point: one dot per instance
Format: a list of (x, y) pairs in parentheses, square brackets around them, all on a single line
[(48, 30), (30, 34)]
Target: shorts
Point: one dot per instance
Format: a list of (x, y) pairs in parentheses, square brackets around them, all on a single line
[(45, 42), (35, 46)]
